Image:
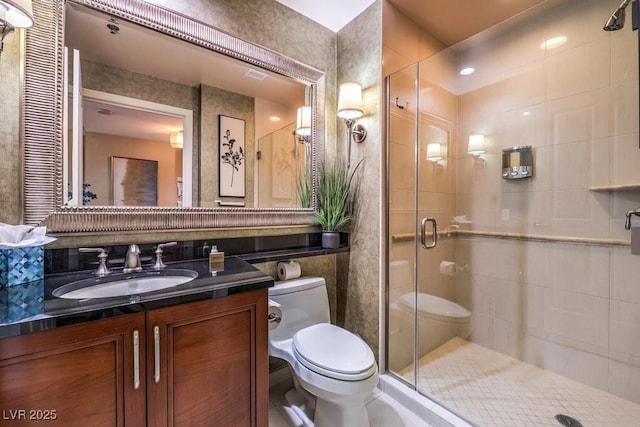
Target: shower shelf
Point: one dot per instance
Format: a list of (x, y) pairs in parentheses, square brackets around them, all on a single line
[(615, 188)]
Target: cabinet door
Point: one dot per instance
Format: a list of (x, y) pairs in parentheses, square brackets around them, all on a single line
[(80, 375), (208, 363)]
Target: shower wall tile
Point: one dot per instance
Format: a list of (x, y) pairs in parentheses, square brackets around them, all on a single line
[(520, 126), (482, 330), (522, 89), (575, 71), (577, 320), (625, 159), (577, 213), (579, 269), (476, 293), (624, 55), (624, 276), (525, 209), (481, 211), (581, 117), (582, 366), (440, 72), (624, 108), (624, 380), (625, 332), (579, 165)]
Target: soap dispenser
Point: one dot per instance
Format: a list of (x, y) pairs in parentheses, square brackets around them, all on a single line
[(216, 260)]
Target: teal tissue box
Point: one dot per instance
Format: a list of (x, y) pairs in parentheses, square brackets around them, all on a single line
[(22, 300), (21, 265)]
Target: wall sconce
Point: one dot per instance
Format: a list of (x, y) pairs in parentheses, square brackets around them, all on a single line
[(14, 14), (476, 148), (303, 124), (434, 153), (176, 139), (350, 109)]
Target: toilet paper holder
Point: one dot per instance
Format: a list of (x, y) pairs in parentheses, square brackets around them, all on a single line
[(627, 223)]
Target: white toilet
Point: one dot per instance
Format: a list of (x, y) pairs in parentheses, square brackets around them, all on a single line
[(330, 365), (439, 319)]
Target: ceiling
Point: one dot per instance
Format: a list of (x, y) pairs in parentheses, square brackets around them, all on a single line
[(452, 21), (333, 14)]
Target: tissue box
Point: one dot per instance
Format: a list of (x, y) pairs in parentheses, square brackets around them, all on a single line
[(20, 301), (21, 265)]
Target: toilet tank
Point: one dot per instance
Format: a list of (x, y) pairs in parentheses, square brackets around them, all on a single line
[(303, 302)]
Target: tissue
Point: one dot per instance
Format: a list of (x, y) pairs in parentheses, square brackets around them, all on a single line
[(22, 253), (288, 270)]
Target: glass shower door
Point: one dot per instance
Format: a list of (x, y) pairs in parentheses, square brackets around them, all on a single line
[(421, 200), (402, 222)]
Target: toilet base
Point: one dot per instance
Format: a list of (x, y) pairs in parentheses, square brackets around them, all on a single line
[(347, 413)]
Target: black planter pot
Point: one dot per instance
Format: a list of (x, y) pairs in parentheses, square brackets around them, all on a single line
[(330, 239)]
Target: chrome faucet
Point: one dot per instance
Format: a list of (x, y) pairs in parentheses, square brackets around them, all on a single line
[(132, 260)]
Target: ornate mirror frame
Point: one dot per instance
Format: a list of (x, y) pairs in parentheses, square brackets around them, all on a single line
[(43, 124)]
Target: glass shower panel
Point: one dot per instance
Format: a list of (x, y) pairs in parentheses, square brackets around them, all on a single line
[(436, 194), (402, 131)]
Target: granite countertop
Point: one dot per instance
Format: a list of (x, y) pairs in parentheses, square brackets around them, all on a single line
[(238, 276)]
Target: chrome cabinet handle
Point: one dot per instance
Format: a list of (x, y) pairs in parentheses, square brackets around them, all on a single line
[(423, 233), (136, 359), (156, 346)]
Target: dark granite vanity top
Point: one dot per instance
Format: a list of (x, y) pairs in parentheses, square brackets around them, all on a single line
[(238, 276)]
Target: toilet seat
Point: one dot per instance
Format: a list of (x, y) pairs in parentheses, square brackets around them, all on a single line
[(433, 307), (333, 352)]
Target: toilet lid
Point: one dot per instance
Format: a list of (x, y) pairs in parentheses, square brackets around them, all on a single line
[(435, 306), (334, 352)]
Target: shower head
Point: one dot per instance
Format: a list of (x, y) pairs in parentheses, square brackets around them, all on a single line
[(616, 20)]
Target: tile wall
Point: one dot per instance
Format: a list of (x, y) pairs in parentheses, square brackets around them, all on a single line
[(569, 308)]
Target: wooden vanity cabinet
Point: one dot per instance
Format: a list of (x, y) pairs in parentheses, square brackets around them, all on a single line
[(80, 375), (201, 364), (213, 363)]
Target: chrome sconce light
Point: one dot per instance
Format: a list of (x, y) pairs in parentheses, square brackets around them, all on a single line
[(476, 147), (14, 14), (303, 124), (434, 154), (350, 109)]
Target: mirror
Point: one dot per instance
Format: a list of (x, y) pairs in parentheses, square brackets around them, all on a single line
[(54, 180), (139, 88)]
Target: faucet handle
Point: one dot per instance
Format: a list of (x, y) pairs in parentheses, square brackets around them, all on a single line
[(159, 264), (103, 269)]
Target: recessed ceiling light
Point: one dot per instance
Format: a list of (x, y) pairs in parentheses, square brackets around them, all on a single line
[(553, 42), (274, 118), (467, 71)]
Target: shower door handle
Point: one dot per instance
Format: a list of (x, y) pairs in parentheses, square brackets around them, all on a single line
[(423, 233)]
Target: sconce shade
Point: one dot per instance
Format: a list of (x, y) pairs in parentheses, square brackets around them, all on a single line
[(476, 145), (18, 13), (350, 101), (434, 152), (303, 121), (176, 139)]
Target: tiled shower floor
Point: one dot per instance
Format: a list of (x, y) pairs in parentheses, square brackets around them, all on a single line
[(492, 389)]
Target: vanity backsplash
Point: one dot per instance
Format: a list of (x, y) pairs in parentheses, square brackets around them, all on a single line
[(253, 249)]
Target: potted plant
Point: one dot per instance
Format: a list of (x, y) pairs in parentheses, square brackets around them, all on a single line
[(335, 191)]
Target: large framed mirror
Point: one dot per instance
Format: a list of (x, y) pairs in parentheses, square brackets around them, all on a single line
[(129, 80)]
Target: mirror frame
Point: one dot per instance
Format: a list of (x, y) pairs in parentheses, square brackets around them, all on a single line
[(43, 123)]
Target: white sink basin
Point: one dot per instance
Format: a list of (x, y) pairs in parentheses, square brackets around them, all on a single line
[(117, 285)]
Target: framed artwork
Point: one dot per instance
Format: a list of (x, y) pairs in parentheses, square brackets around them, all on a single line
[(134, 182), (231, 163)]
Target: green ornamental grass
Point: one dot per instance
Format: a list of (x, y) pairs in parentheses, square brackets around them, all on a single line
[(336, 191)]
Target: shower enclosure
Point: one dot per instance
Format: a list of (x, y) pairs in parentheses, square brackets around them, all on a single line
[(516, 301)]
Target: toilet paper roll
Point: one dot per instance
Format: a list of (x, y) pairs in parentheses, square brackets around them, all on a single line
[(288, 270), (448, 268)]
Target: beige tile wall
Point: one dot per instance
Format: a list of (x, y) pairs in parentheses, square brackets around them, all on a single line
[(572, 309)]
